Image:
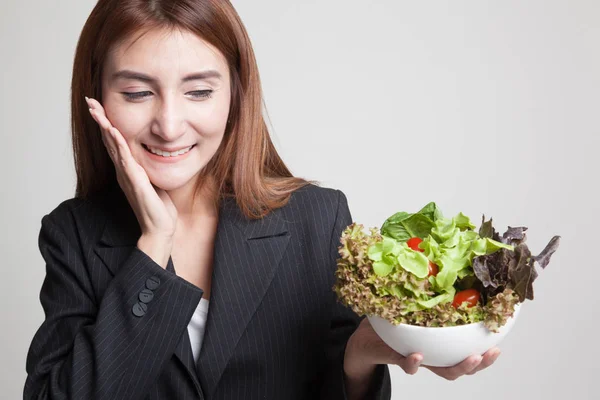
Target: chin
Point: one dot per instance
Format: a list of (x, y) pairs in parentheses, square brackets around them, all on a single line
[(169, 184)]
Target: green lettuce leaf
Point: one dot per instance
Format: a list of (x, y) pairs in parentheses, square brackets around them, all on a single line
[(431, 211), (445, 297), (463, 222), (431, 248), (402, 225), (414, 262), (384, 255)]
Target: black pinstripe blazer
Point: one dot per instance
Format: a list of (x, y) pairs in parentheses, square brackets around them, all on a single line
[(116, 322)]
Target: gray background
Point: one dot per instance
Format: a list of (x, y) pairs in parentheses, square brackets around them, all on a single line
[(482, 106)]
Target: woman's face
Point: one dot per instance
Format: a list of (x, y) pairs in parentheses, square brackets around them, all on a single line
[(168, 90)]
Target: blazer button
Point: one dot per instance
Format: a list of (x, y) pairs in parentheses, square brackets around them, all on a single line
[(139, 309), (152, 283), (146, 295)]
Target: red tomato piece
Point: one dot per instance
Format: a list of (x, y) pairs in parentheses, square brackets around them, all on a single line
[(413, 243), (471, 296), (433, 269)]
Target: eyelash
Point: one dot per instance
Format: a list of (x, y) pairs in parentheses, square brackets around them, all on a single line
[(204, 94)]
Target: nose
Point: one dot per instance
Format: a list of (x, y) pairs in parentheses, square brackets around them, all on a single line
[(168, 121)]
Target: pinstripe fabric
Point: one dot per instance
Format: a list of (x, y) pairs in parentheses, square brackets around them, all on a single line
[(274, 328)]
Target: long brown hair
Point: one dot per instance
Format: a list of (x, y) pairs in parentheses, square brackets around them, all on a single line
[(246, 166)]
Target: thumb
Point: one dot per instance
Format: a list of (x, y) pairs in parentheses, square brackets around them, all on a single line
[(167, 201), (398, 358)]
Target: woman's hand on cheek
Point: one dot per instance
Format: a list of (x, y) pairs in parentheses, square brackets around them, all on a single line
[(152, 206), (117, 147)]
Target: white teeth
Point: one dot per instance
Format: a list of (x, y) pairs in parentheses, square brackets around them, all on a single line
[(166, 153)]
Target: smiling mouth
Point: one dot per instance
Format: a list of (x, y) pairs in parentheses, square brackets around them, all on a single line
[(167, 154)]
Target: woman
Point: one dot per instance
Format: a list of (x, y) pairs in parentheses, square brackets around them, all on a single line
[(191, 263)]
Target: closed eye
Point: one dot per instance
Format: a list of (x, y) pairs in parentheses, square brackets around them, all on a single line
[(136, 95), (201, 94), (197, 94)]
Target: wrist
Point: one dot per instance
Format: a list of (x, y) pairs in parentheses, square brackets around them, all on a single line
[(356, 366), (158, 248), (358, 373)]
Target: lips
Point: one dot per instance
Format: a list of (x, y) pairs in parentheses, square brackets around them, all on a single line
[(167, 159), (147, 147)]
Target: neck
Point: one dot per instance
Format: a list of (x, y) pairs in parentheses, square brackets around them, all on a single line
[(192, 207)]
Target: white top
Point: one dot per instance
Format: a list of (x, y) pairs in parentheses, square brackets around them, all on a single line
[(196, 327)]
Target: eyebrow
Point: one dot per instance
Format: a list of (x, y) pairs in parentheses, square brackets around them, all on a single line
[(128, 74)]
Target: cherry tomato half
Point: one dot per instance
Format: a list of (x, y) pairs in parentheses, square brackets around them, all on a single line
[(413, 243), (433, 269), (471, 296)]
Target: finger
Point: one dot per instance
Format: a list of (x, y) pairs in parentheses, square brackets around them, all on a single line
[(167, 201), (116, 142), (122, 145), (106, 136), (411, 364), (93, 103), (452, 373), (117, 137), (488, 359), (99, 114)]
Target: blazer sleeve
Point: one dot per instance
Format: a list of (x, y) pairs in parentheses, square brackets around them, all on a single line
[(108, 348), (343, 323)]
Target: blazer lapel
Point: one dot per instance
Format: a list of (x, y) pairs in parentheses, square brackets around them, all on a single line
[(246, 256)]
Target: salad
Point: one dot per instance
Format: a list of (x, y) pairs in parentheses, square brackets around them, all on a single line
[(426, 270)]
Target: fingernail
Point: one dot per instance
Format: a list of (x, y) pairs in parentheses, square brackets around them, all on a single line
[(418, 359)]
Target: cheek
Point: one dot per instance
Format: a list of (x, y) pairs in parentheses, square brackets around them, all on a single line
[(209, 127), (214, 119), (125, 120)]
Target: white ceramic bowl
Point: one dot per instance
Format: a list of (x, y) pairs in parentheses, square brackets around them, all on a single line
[(441, 346)]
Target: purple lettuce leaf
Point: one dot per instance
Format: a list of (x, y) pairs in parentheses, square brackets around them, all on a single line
[(505, 269)]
